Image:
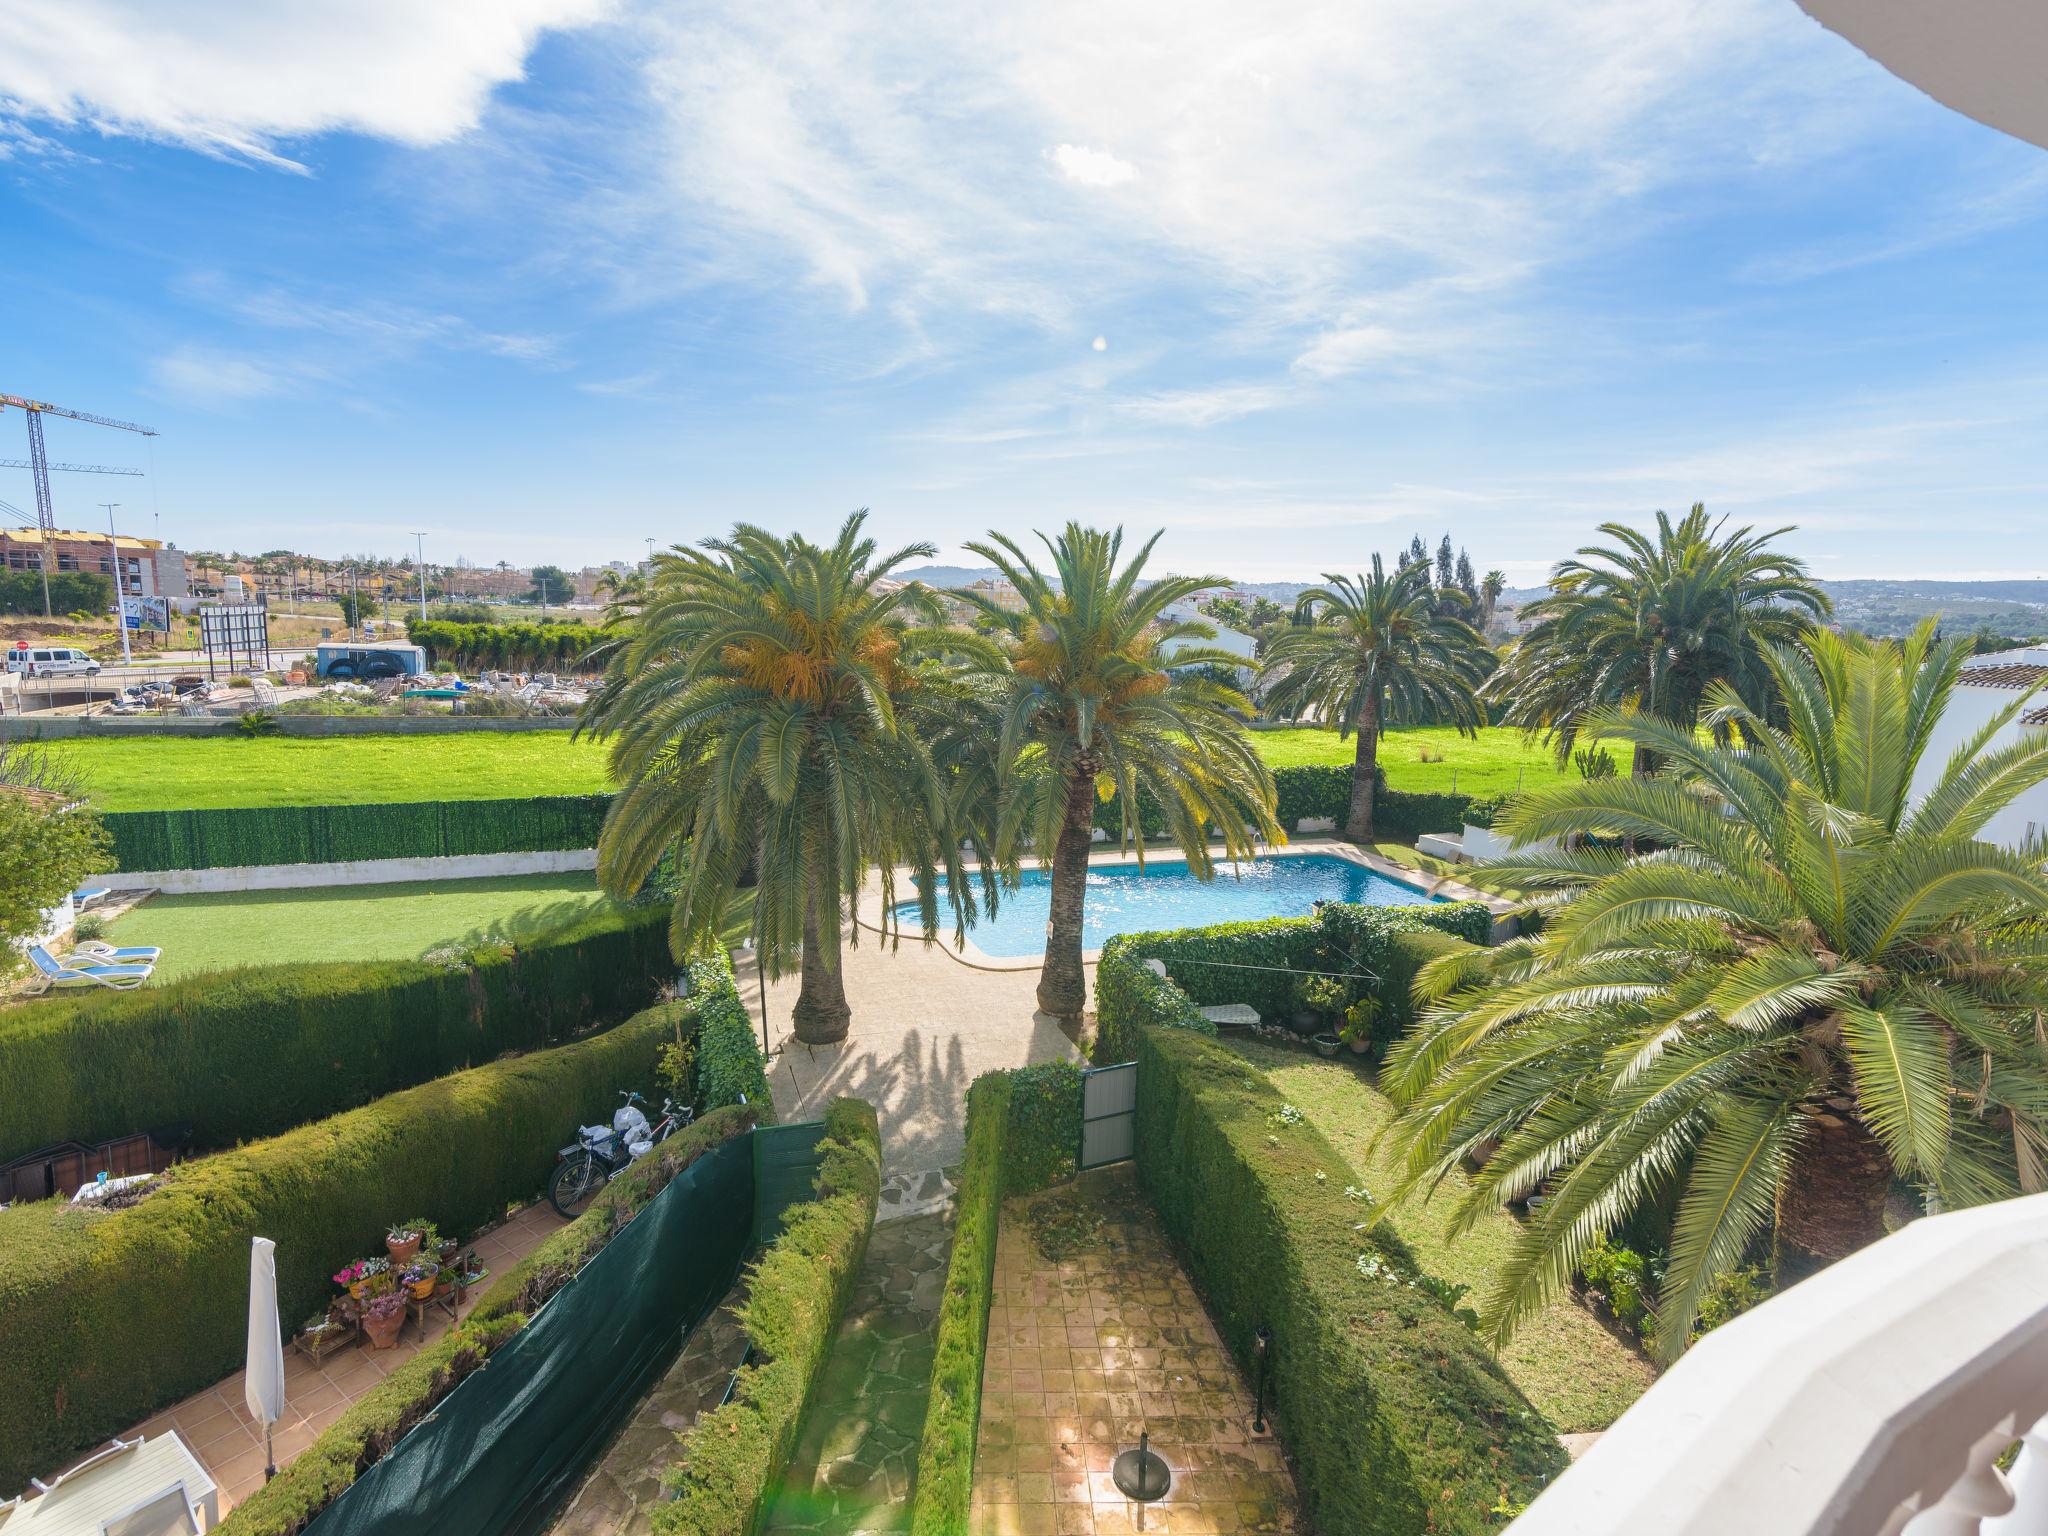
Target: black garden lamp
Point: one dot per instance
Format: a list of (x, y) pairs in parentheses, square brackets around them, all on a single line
[(1262, 1351)]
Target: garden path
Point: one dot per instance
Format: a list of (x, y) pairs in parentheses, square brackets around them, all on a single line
[(851, 1469)]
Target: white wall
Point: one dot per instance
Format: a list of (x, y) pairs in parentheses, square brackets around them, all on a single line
[(1968, 709), (281, 877)]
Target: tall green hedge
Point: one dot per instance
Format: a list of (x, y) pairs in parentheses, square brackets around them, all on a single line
[(1399, 1419), (1259, 963), (944, 1484), (1044, 1137), (541, 644), (378, 1419), (732, 1460), (1324, 789), (730, 1066), (253, 1052), (238, 837), (106, 1316)]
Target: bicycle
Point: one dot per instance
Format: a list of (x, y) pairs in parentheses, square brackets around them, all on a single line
[(601, 1154)]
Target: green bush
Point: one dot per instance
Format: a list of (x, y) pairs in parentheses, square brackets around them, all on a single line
[(1399, 1419), (945, 1459), (1260, 963), (540, 646), (70, 592), (376, 1421), (106, 1316), (1045, 1126), (730, 1067), (734, 1457), (237, 837), (253, 1052), (1323, 789)]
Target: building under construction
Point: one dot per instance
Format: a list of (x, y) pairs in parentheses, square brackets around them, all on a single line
[(148, 567)]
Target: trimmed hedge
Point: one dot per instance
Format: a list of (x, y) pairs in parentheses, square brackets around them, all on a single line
[(730, 1066), (253, 1052), (1324, 789), (734, 1457), (539, 644), (1258, 963), (944, 1484), (379, 1419), (1044, 1138), (106, 1316), (237, 837), (1399, 1419)]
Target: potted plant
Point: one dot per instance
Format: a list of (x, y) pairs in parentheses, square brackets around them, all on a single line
[(403, 1241), (380, 1310), (355, 1278), (419, 1277), (1359, 1019), (1323, 998)]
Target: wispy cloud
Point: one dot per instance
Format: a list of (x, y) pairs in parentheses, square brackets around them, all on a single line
[(1953, 218)]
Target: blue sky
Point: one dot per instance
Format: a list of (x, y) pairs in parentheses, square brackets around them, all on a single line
[(545, 278)]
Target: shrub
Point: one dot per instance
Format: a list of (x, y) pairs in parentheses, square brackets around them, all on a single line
[(84, 592), (1399, 1419), (253, 1052), (237, 837), (376, 1422), (735, 1455), (945, 1459), (730, 1067), (105, 1316), (536, 646), (1261, 963), (1045, 1126)]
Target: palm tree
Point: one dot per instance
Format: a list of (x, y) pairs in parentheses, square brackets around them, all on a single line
[(1653, 622), (1103, 693), (766, 714), (1819, 981), (1490, 588), (1373, 651)]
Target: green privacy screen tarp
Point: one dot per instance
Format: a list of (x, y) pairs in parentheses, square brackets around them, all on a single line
[(785, 1172), (502, 1449)]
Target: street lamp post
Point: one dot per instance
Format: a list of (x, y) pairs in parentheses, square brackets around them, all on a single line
[(120, 591), (422, 546)]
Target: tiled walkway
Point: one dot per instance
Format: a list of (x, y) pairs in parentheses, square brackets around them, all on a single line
[(1084, 1354), (216, 1425), (857, 1451)]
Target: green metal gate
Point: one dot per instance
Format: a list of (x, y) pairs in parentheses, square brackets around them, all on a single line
[(1109, 1113)]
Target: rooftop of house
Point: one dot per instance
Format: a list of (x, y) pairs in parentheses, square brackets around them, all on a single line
[(2006, 675)]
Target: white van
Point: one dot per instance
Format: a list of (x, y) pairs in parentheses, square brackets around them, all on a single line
[(52, 661)]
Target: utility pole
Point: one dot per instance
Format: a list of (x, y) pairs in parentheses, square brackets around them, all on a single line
[(120, 588), (422, 546)]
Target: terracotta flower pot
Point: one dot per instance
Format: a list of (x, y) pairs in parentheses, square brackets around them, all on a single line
[(402, 1253), (1361, 1045), (383, 1331)]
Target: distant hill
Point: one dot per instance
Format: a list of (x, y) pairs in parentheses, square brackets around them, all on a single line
[(934, 575)]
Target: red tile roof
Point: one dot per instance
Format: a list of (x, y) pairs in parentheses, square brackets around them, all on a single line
[(2012, 674)]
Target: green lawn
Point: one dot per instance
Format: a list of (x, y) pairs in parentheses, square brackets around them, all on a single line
[(1498, 762), (361, 922), (1574, 1370), (142, 773)]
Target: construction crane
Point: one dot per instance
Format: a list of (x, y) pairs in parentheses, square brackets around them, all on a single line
[(39, 469), (77, 469)]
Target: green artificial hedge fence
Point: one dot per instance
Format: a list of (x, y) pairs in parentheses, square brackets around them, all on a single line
[(1259, 963), (239, 837), (1398, 1418), (944, 1484), (253, 1052), (730, 1066), (106, 1316), (379, 1419), (1324, 789), (732, 1460)]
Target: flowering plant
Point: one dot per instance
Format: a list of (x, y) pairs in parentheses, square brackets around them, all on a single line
[(378, 1306), (362, 1269), (419, 1269)]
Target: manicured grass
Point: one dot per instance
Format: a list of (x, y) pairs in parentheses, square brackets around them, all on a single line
[(360, 922), (149, 773), (1564, 1360), (1498, 762)]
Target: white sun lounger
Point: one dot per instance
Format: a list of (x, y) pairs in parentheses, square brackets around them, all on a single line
[(52, 973)]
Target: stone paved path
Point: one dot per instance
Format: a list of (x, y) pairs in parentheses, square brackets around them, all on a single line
[(618, 1496), (857, 1452), (1087, 1349)]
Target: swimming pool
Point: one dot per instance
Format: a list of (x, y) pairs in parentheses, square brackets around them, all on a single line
[(1126, 899)]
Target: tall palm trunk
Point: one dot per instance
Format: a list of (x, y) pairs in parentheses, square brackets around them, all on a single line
[(1364, 774), (1831, 1202), (1062, 985), (821, 1014)]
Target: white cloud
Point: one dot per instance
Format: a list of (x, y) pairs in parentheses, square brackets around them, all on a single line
[(209, 374), (239, 79), (1093, 167), (1203, 407), (1100, 344)]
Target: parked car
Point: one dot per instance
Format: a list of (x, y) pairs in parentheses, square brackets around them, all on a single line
[(52, 661)]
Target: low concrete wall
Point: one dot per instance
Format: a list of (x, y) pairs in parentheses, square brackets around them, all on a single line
[(287, 877), (65, 727)]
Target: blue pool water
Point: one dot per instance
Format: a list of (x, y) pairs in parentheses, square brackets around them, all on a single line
[(1126, 899)]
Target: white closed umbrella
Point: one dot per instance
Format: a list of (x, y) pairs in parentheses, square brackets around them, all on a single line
[(263, 1383)]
